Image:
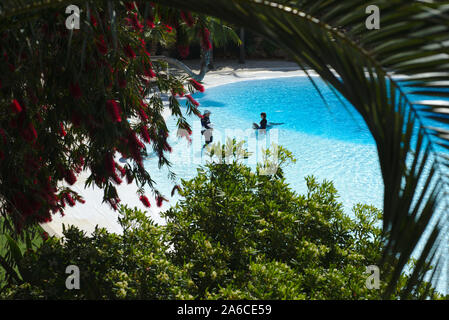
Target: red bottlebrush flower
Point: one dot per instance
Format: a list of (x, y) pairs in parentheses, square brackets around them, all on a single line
[(193, 101), (149, 73), (113, 203), (79, 165), (143, 47), (168, 28), (145, 135), (69, 199), (62, 131), (199, 115), (81, 200), (205, 36), (128, 21), (114, 110), (70, 177), (181, 92), (187, 17), (101, 45), (116, 178), (145, 201), (15, 106), (135, 146), (45, 236), (136, 23), (75, 90), (198, 86), (62, 201), (136, 141), (142, 114), (29, 133), (121, 169), (159, 201), (129, 51), (150, 22), (183, 51)]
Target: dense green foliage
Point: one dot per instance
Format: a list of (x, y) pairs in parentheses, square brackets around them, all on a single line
[(236, 234), (11, 250)]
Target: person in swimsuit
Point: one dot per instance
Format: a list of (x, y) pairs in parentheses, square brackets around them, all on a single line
[(206, 128), (263, 122)]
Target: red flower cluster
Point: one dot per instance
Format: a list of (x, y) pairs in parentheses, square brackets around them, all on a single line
[(114, 110), (145, 201), (66, 196), (110, 166), (150, 22), (205, 39), (198, 86), (135, 146), (114, 203), (142, 114), (93, 21), (70, 177), (121, 169), (193, 101), (145, 135), (129, 51), (134, 22), (61, 130), (148, 72), (15, 106), (32, 196)]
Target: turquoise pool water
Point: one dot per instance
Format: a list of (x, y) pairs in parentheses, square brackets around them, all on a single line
[(330, 142)]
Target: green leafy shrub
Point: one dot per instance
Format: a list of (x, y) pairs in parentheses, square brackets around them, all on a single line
[(133, 265), (235, 234)]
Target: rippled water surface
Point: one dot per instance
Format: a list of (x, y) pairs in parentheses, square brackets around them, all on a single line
[(329, 141)]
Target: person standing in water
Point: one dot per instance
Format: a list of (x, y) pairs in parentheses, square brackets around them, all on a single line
[(263, 122), (206, 128)]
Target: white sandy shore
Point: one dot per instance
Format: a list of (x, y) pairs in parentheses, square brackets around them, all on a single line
[(87, 216)]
